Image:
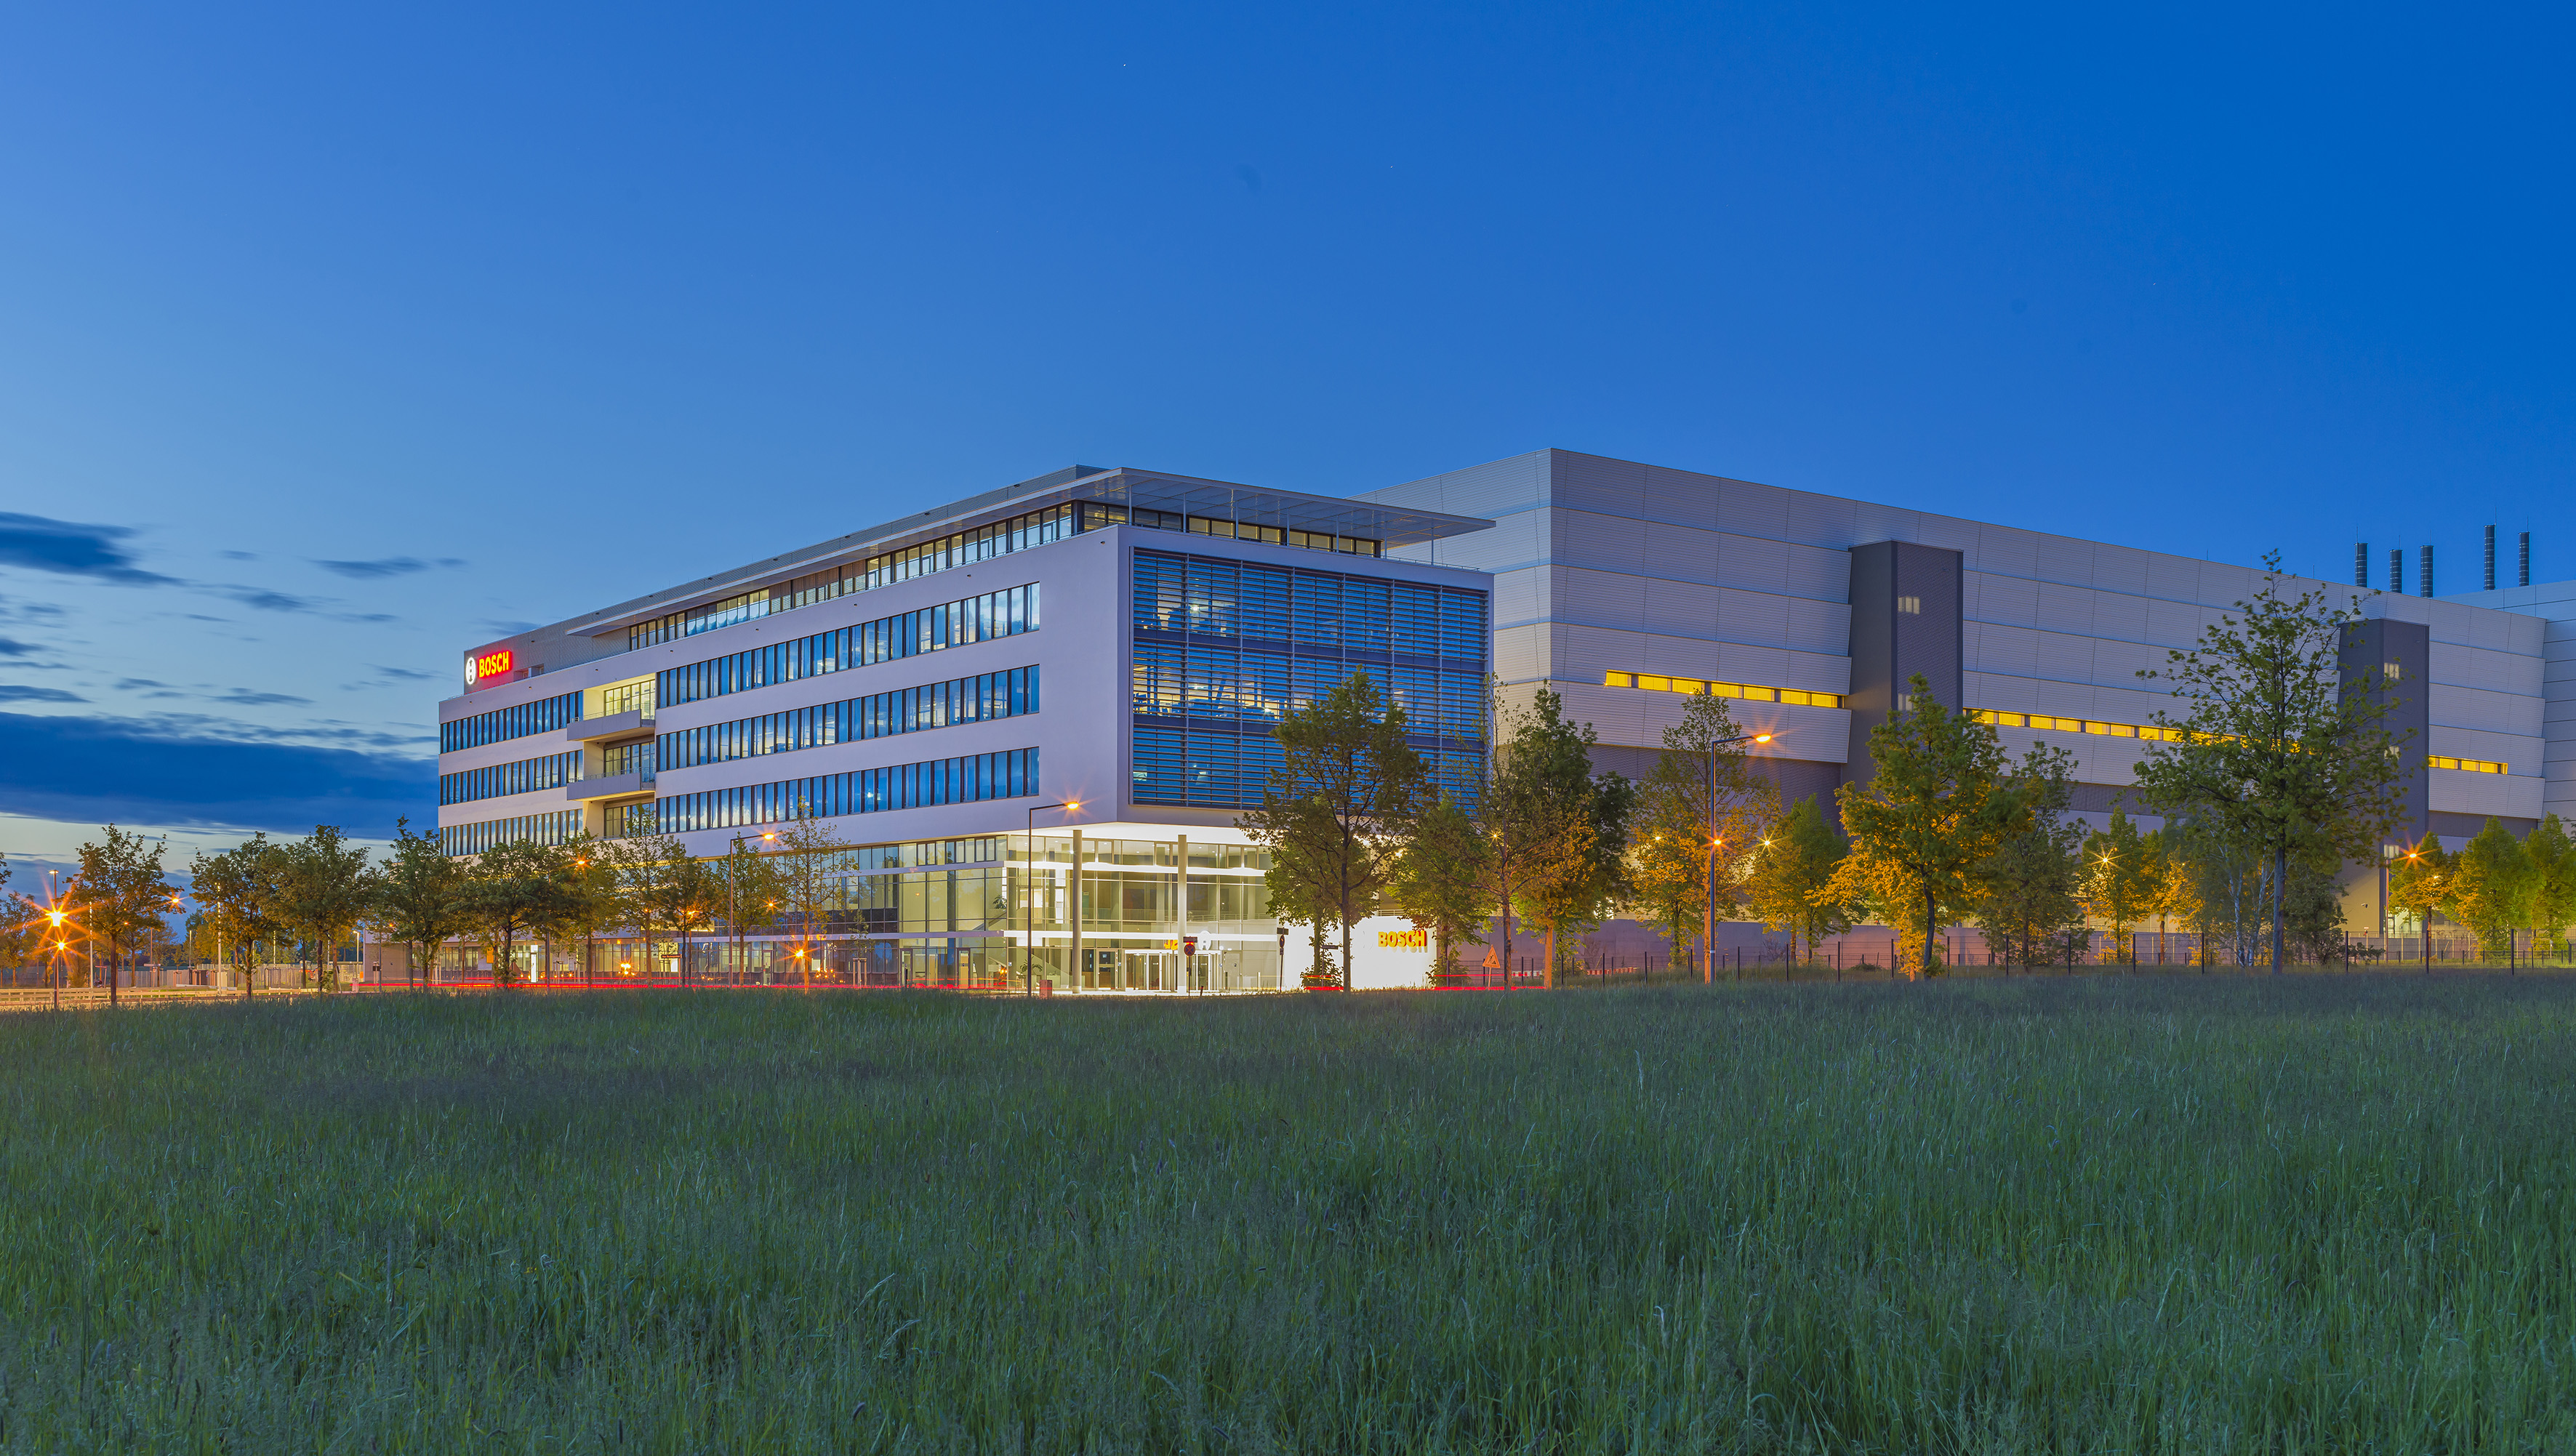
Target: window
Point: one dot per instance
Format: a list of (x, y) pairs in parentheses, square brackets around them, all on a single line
[(527, 776), (503, 724), (1747, 692), (981, 698), (971, 779), (550, 828), (1909, 606), (932, 629)]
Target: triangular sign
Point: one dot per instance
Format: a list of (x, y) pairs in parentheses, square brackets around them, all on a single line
[(1493, 962)]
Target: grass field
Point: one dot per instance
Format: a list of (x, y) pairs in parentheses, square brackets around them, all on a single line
[(2153, 1214)]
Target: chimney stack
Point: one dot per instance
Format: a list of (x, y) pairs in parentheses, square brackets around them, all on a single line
[(2424, 577), (2397, 569), (2361, 564), (2490, 586)]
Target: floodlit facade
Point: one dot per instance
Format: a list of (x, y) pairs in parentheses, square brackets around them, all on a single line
[(1033, 716), (1625, 587)]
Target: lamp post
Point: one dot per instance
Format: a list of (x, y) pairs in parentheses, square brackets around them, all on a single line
[(1708, 806), (1028, 892)]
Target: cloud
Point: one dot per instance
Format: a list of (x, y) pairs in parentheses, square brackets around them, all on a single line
[(12, 693), (248, 699), (260, 598), (407, 674), (373, 570), (69, 548), (238, 555), (138, 682), (183, 769), (11, 647)]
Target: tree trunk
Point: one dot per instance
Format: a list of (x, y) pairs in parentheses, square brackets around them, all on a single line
[(1931, 914), (2280, 893), (1549, 978)]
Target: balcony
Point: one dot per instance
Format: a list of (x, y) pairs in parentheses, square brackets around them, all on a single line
[(633, 723), (611, 786)]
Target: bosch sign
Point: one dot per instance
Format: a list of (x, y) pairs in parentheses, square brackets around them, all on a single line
[(485, 666)]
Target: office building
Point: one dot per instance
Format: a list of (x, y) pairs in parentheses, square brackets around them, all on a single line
[(1034, 715)]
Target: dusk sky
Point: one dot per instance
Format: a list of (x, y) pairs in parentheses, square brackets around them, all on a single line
[(335, 340)]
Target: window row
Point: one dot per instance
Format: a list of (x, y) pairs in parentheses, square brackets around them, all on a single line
[(502, 724), (977, 699), (984, 618), (2101, 729), (1169, 679), (969, 779), (494, 781), (960, 548), (1216, 769), (1096, 515), (558, 827), (1326, 610), (1655, 683)]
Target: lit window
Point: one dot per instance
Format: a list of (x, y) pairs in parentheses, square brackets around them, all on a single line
[(1910, 606)]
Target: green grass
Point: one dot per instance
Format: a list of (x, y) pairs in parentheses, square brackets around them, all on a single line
[(2102, 1214)]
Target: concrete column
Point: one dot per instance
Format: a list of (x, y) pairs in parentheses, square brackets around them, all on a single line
[(1073, 907)]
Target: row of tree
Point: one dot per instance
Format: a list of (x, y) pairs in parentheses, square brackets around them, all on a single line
[(2495, 885), (2278, 771)]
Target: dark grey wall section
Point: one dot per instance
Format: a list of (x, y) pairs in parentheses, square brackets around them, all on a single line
[(2448, 824), (2367, 648), (1906, 618)]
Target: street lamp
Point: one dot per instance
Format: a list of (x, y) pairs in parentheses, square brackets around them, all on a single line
[(1028, 892), (1708, 931)]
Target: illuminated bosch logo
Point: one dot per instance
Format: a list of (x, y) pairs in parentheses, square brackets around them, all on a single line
[(487, 664)]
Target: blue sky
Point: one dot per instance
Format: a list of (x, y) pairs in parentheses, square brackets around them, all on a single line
[(335, 339)]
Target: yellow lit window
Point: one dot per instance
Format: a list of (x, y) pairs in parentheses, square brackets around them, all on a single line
[(1654, 684), (1619, 679), (1689, 685)]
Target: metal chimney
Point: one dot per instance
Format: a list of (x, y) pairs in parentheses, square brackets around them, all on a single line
[(2490, 586), (2397, 569), (2524, 574), (2361, 564), (2424, 578)]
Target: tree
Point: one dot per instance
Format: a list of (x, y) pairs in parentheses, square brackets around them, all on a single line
[(672, 892), (593, 896), (2119, 882), (420, 901), (1304, 880), (238, 889), (2027, 896), (2490, 889), (2177, 886), (1440, 882), (1346, 760), (805, 875), (750, 879), (22, 924), (2277, 751), (124, 895), (512, 890), (2419, 883), (1937, 809), (1789, 886), (324, 888), (1569, 826), (2553, 891), (1700, 813)]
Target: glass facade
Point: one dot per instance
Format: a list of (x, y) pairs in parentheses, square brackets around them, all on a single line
[(526, 776), (549, 828), (969, 779), (502, 724), (932, 629), (1223, 649), (981, 698), (960, 548)]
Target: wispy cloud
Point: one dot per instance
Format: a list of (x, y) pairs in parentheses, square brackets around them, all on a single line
[(407, 674), (72, 548), (13, 693), (11, 647), (373, 570), (244, 697)]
